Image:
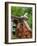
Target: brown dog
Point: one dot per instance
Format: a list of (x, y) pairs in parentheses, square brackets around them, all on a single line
[(22, 31)]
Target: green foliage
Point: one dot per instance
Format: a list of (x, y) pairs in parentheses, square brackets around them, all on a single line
[(17, 11), (20, 11)]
